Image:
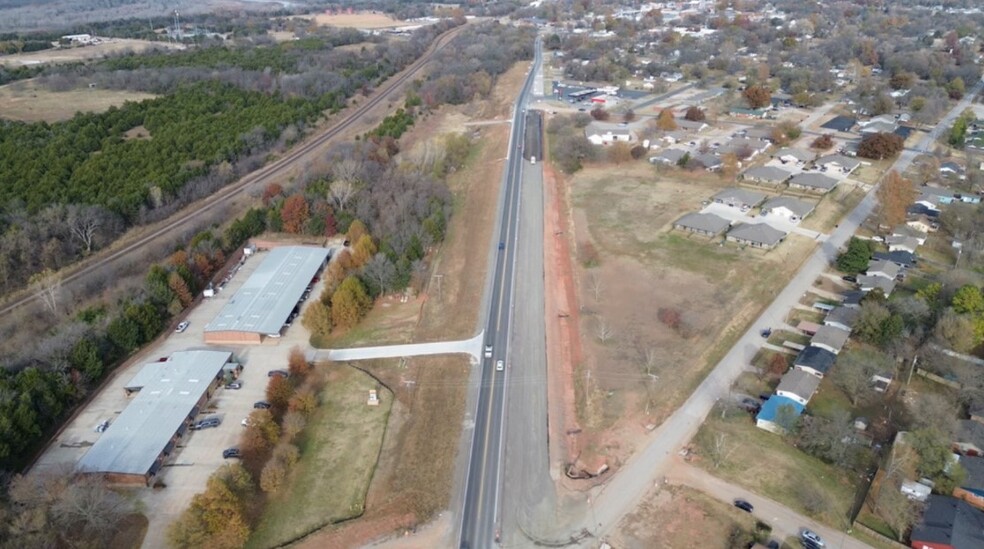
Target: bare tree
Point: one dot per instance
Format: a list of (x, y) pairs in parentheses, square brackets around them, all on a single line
[(46, 286), (719, 449), (84, 222), (596, 285), (604, 330), (380, 271), (346, 179)]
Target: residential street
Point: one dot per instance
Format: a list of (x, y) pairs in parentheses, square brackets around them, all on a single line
[(784, 521)]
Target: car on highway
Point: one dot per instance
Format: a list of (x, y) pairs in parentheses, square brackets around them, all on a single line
[(502, 245), (182, 326), (206, 423), (281, 373), (811, 540), (231, 453), (234, 385), (499, 365), (488, 351), (261, 405), (744, 505)]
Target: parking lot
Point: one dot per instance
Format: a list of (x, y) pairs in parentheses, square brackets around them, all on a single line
[(199, 453)]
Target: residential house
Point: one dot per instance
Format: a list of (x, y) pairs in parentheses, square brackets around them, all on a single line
[(897, 243), (790, 208), (815, 361), (599, 136), (807, 327), (798, 385), (702, 223), (850, 148), (759, 132), (756, 235), (669, 157), (798, 157), (945, 196), (881, 381), (695, 126), (710, 161), (922, 223), (969, 438), (869, 283), (878, 126), (837, 163), (739, 198), (840, 123), (830, 338), (924, 209), (766, 174), (743, 147), (953, 169), (673, 137), (905, 230), (971, 489), (812, 182), (777, 412), (851, 299), (842, 317), (948, 523), (883, 268), (741, 112)]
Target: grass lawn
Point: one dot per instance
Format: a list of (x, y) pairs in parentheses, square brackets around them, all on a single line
[(828, 400), (779, 337), (339, 448), (765, 464), (389, 322), (799, 315)]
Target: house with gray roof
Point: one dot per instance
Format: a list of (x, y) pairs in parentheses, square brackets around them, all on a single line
[(879, 126), (950, 523), (798, 385), (838, 162), (744, 147), (702, 223), (788, 207), (668, 157), (830, 338), (902, 243), (969, 438), (710, 161), (789, 155), (766, 174), (842, 317), (812, 182), (737, 197), (815, 361), (756, 235), (869, 283), (883, 268)]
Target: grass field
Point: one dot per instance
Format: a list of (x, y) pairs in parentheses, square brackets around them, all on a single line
[(27, 102), (363, 20), (72, 55), (765, 464), (339, 449)]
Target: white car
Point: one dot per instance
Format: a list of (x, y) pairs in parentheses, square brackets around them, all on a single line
[(499, 365), (488, 351), (811, 540), (182, 327)]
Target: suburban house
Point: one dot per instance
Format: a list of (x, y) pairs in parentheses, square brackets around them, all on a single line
[(948, 523), (922, 223), (878, 126), (756, 235), (743, 147), (842, 317), (710, 161), (788, 207), (952, 169), (840, 123), (695, 126), (898, 243), (837, 162), (969, 438), (830, 338), (673, 137), (905, 230), (599, 136), (812, 182), (815, 361), (777, 413), (971, 489), (702, 223), (868, 283), (923, 208), (798, 385), (945, 196), (788, 155), (766, 174), (670, 157), (741, 112), (738, 198), (851, 299), (883, 268), (759, 132)]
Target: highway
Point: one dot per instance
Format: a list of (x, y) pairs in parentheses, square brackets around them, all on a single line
[(481, 517)]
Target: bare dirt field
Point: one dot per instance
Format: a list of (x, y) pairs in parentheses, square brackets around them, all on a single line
[(25, 101), (681, 518), (413, 480), (658, 308), (71, 55), (362, 20)]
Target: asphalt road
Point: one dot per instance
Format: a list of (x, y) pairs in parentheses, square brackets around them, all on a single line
[(480, 519)]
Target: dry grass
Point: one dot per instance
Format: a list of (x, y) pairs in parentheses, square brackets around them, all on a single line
[(364, 20), (339, 448), (28, 102), (626, 212), (833, 207), (390, 322), (72, 55)]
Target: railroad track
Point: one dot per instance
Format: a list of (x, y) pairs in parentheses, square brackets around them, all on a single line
[(278, 168)]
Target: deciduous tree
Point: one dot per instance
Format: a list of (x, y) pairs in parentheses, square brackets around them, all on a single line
[(895, 195), (666, 122), (855, 368), (823, 142), (880, 145), (757, 96), (695, 114), (349, 303), (294, 214)]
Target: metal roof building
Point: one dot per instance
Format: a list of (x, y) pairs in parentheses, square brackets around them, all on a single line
[(264, 302), (171, 393)]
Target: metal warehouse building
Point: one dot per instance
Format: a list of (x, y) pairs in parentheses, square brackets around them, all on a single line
[(261, 306), (169, 395)]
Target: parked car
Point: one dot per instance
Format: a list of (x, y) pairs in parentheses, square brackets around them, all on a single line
[(766, 332), (488, 351), (102, 426), (261, 405), (849, 278), (231, 453), (182, 326), (499, 365), (811, 540), (744, 505), (206, 423), (234, 385), (281, 373)]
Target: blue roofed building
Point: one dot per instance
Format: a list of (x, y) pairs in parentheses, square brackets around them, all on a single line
[(778, 413)]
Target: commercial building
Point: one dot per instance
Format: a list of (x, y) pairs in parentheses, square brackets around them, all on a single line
[(261, 307), (169, 394)]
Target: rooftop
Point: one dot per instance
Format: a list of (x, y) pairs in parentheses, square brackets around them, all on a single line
[(759, 233), (771, 407), (840, 123), (830, 336), (840, 160), (813, 180), (816, 358), (703, 222), (951, 522), (170, 391), (266, 299), (767, 173), (800, 208), (738, 196), (799, 383)]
